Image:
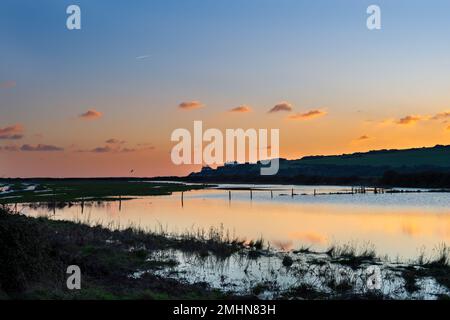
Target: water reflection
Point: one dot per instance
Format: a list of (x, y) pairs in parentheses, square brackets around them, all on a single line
[(396, 224)]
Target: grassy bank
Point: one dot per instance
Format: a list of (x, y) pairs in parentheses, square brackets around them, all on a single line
[(35, 254), (76, 190), (133, 264)]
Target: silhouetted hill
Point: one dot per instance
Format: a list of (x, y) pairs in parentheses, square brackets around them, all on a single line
[(438, 156), (427, 167)]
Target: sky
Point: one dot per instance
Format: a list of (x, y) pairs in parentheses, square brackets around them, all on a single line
[(104, 100)]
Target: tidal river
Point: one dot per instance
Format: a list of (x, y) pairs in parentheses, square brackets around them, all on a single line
[(399, 225)]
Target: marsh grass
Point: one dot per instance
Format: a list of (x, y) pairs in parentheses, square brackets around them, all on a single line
[(63, 192), (437, 266), (216, 241), (351, 254), (441, 258), (256, 244), (35, 253), (304, 249)]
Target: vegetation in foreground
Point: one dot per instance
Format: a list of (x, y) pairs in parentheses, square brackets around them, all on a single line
[(126, 264), (35, 254)]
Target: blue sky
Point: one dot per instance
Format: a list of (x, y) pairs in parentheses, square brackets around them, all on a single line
[(225, 48), (314, 54)]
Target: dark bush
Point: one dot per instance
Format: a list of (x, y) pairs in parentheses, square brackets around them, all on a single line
[(25, 255)]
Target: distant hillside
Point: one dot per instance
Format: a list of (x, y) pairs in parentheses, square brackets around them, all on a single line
[(438, 156), (427, 167)]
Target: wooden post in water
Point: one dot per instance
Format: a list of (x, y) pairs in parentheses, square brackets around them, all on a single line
[(271, 194), (82, 205), (314, 192), (292, 193), (54, 203), (229, 195), (182, 199), (251, 194), (120, 203)]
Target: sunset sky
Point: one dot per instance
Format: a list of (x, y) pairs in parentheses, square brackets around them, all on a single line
[(104, 100)]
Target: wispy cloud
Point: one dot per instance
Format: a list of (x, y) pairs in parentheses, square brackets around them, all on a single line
[(7, 84), (13, 132), (11, 137), (282, 106), (115, 141), (410, 120), (10, 148), (116, 146), (414, 119), (102, 149), (441, 116), (362, 138), (40, 148), (146, 146), (241, 109), (307, 115), (190, 105), (143, 57), (91, 115), (386, 122)]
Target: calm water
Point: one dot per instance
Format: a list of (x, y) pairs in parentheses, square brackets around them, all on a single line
[(397, 225)]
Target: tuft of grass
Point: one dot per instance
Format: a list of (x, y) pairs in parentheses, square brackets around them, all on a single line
[(256, 244), (438, 266), (442, 257), (350, 255), (215, 240), (304, 249)]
